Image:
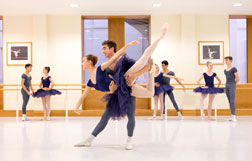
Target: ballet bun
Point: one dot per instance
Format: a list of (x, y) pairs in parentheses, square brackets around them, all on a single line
[(92, 58)]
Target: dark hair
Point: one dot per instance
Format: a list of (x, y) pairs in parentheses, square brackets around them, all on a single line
[(229, 57), (165, 62), (92, 58), (47, 68), (27, 65), (110, 44)]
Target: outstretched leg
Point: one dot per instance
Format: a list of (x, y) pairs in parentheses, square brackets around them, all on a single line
[(140, 63)]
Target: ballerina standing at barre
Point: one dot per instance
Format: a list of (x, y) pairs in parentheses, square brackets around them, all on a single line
[(208, 89)]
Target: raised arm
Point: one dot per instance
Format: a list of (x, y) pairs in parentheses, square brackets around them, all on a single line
[(117, 55), (218, 81), (179, 82), (81, 99), (172, 77)]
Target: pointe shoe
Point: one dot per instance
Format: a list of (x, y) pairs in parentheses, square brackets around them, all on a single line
[(48, 118), (84, 144), (152, 66), (164, 30), (152, 118)]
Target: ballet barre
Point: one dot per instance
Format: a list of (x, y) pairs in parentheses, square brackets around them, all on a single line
[(17, 88)]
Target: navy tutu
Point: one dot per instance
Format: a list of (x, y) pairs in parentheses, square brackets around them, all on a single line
[(208, 90), (166, 88), (158, 90), (119, 103), (43, 93)]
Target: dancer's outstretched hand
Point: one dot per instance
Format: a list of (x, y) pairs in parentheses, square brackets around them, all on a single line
[(164, 30), (130, 79), (133, 43)]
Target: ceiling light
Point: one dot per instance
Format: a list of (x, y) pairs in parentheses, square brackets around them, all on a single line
[(237, 4), (156, 5), (73, 5)]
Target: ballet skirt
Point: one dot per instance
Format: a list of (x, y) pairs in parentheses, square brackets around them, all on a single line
[(102, 81), (46, 84), (119, 102), (165, 85), (209, 81)]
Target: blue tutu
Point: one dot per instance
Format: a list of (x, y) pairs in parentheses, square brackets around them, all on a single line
[(158, 90), (212, 90), (119, 103), (43, 93), (166, 88)]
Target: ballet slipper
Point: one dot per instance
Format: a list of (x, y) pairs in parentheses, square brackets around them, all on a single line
[(152, 66), (164, 30)]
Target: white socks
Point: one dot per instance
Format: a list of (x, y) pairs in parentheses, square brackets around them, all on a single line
[(180, 116), (86, 143), (24, 118), (232, 118), (129, 145)]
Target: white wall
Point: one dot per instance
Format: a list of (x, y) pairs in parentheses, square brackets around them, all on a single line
[(57, 43), (180, 48)]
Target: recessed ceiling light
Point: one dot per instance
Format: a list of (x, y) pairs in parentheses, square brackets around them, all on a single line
[(156, 5), (74, 5), (237, 4)]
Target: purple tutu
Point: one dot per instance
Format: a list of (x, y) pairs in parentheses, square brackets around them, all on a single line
[(43, 93), (208, 90), (158, 90), (166, 88), (119, 103)]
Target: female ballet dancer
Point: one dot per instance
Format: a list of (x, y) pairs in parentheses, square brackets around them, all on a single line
[(26, 86), (167, 76), (46, 91), (208, 89), (158, 95), (232, 78), (109, 113)]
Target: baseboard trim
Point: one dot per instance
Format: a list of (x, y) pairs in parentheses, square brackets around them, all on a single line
[(139, 112)]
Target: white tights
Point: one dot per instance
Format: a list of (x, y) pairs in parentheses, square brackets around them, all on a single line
[(46, 101), (210, 103)]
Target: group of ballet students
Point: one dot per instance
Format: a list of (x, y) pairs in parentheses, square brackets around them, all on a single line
[(116, 77)]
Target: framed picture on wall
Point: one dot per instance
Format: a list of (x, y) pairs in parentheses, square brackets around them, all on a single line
[(19, 53), (211, 51)]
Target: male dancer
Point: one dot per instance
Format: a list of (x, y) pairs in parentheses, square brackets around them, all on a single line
[(26, 86), (232, 78)]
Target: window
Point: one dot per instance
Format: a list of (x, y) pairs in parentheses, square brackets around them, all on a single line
[(137, 29), (238, 46), (96, 30)]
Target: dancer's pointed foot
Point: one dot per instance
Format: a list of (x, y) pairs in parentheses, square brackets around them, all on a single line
[(164, 30), (151, 66)]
